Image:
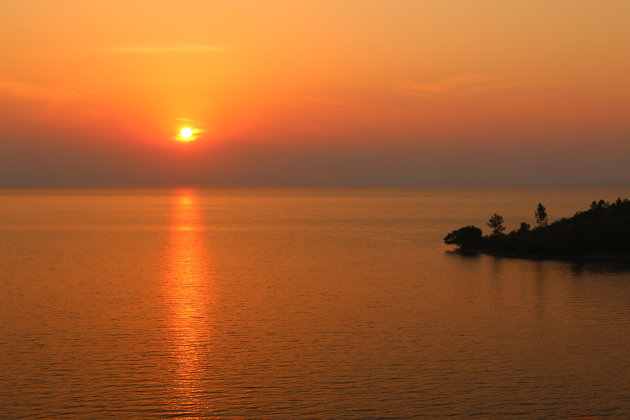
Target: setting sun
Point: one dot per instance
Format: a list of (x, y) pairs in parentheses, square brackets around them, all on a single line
[(186, 132)]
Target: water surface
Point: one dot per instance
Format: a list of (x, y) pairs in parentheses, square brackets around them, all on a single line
[(314, 303)]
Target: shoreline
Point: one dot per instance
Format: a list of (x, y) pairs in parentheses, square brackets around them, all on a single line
[(585, 258)]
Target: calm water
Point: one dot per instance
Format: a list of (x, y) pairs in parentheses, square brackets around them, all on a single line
[(299, 303)]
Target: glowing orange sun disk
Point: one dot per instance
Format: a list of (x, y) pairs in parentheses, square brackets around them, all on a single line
[(186, 132)]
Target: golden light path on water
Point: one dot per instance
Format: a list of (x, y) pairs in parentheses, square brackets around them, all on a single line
[(189, 294)]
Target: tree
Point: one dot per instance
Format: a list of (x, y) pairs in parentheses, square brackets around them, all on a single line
[(466, 238), (541, 215), (496, 223), (524, 228)]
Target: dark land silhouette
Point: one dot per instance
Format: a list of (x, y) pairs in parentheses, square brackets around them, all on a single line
[(601, 232)]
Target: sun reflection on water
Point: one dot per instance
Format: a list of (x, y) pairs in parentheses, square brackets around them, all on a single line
[(189, 293)]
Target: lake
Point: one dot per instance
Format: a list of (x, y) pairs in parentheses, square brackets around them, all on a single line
[(300, 303)]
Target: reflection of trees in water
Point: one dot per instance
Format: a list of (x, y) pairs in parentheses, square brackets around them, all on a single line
[(599, 267), (540, 289)]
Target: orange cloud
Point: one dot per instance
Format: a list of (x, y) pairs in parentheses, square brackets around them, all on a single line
[(175, 48), (50, 95), (466, 84)]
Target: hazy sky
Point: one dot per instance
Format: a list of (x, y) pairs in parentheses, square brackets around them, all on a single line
[(321, 92)]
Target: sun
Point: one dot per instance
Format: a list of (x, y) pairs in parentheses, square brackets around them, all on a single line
[(186, 132)]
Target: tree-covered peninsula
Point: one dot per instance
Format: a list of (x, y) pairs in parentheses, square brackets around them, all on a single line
[(603, 231)]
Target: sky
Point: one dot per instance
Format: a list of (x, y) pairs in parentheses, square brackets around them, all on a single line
[(320, 92)]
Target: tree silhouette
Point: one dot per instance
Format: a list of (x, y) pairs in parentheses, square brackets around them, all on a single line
[(466, 238), (524, 228), (601, 232), (496, 223), (541, 215)]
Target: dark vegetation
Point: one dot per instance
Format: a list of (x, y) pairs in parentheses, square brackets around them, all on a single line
[(603, 231)]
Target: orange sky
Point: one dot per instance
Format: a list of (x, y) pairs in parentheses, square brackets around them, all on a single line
[(314, 92)]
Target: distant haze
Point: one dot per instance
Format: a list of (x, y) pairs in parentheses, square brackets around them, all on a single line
[(326, 92)]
